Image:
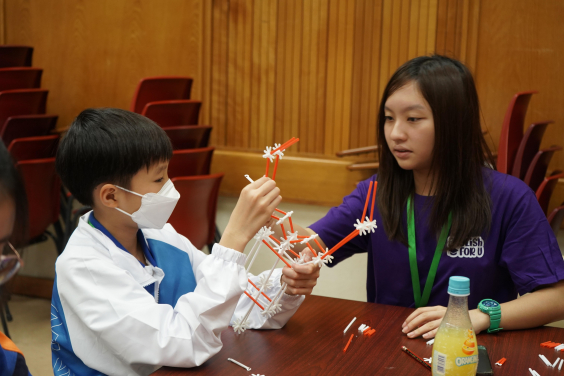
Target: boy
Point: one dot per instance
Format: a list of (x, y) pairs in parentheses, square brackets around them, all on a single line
[(131, 294)]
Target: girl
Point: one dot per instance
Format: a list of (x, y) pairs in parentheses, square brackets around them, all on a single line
[(13, 227), (436, 178)]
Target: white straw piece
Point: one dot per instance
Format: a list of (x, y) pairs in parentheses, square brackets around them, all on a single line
[(348, 326), (536, 373), (239, 364), (249, 178), (543, 358), (532, 372), (560, 366), (559, 347), (555, 363), (361, 327), (431, 342)]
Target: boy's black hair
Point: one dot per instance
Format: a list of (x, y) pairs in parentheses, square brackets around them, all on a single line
[(108, 145), (12, 188)]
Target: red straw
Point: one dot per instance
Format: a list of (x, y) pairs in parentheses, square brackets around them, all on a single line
[(275, 217), (253, 299), (319, 245), (373, 199), (311, 249), (267, 165), (280, 211), (276, 253), (341, 243), (348, 343), (262, 293), (273, 238), (283, 231), (294, 253), (291, 224), (295, 241), (275, 167), (286, 144), (366, 202), (302, 237)]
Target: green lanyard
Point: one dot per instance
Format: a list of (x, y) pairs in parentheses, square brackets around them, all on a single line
[(421, 301)]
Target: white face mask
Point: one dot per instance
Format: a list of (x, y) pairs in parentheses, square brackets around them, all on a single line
[(156, 208)]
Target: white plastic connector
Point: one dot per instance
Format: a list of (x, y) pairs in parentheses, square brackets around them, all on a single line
[(543, 358), (430, 342), (365, 227), (348, 326), (239, 364), (555, 363)]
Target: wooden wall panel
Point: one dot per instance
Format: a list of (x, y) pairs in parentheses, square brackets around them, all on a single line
[(268, 70), (520, 48), (95, 52)]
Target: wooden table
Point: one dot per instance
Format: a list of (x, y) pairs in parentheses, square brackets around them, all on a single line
[(312, 344)]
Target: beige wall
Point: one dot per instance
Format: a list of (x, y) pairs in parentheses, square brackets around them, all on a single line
[(268, 70)]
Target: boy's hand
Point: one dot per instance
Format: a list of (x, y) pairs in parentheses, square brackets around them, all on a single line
[(253, 210), (301, 279)]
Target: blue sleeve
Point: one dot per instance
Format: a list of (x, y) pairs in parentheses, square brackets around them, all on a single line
[(339, 222), (530, 251)]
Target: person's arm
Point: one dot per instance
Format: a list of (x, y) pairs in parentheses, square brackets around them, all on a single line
[(538, 308), (531, 255), (302, 231), (256, 201)]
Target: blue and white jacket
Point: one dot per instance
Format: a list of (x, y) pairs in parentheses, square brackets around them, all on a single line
[(105, 320)]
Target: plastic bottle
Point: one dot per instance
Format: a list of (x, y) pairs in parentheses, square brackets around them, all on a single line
[(455, 350)]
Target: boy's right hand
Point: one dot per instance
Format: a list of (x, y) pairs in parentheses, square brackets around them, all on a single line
[(253, 210)]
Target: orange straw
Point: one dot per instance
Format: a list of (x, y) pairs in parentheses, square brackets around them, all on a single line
[(373, 200), (291, 224), (341, 243), (262, 293), (283, 231), (294, 253), (276, 253), (348, 343), (295, 241), (280, 211), (273, 238), (302, 237), (275, 217), (319, 245), (253, 299), (267, 166), (366, 202), (275, 167), (311, 249), (286, 145)]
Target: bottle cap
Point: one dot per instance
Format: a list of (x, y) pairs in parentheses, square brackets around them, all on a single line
[(459, 286)]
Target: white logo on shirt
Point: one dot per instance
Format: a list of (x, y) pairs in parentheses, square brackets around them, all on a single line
[(472, 249)]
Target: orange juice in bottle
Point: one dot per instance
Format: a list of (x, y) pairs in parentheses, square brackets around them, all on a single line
[(455, 350)]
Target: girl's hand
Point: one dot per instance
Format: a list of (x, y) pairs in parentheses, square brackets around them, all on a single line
[(256, 203), (426, 321), (301, 279)]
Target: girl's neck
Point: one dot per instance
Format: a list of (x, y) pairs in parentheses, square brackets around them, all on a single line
[(424, 182)]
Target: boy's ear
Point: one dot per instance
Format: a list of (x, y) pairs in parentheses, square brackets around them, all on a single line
[(107, 195)]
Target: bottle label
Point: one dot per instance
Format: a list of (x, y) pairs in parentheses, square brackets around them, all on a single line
[(465, 360), (441, 363)]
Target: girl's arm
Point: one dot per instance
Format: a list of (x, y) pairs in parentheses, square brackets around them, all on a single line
[(538, 308)]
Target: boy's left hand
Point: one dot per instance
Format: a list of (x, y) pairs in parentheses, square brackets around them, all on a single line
[(301, 279)]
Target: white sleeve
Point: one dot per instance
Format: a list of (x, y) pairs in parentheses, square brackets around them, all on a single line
[(109, 314), (289, 304)]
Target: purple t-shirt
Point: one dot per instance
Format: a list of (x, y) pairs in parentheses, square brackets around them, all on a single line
[(519, 254)]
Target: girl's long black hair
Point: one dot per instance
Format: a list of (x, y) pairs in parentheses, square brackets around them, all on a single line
[(12, 188), (459, 155)]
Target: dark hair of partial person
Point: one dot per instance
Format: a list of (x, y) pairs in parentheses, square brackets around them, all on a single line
[(459, 155), (12, 188), (108, 145)]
